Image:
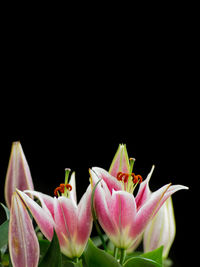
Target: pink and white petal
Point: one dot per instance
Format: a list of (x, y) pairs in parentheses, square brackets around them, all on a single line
[(42, 217), (123, 213), (120, 161), (111, 181), (46, 201), (151, 207), (84, 221), (65, 213), (144, 191), (171, 190), (102, 202), (23, 244), (18, 173), (72, 182)]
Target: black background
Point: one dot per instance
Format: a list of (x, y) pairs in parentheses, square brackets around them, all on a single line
[(70, 103)]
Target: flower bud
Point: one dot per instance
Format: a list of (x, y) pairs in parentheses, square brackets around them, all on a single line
[(161, 230)]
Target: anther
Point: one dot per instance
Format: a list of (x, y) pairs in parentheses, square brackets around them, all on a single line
[(121, 176), (136, 178), (56, 191), (69, 187)]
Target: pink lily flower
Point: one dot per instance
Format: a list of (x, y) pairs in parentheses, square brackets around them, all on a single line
[(71, 221), (23, 242), (18, 173), (123, 216)]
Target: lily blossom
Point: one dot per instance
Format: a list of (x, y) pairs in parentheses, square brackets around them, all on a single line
[(161, 230), (23, 242), (123, 216), (72, 221), (18, 173)]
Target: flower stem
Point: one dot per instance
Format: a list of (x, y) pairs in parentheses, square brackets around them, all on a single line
[(115, 252), (123, 256)]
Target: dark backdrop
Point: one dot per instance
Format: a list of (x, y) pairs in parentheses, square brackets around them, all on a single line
[(72, 108), (79, 132)]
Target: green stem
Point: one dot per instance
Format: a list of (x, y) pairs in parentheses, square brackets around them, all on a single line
[(123, 256), (115, 252), (76, 259)]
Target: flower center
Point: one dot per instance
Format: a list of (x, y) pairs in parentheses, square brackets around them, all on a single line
[(129, 181), (64, 188)]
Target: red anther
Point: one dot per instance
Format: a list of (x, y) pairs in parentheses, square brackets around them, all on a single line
[(119, 176), (126, 177), (140, 178), (62, 188), (69, 187), (56, 191)]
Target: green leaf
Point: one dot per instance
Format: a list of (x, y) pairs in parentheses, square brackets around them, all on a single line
[(44, 245), (53, 255), (6, 211), (4, 233), (141, 262), (155, 255), (95, 257)]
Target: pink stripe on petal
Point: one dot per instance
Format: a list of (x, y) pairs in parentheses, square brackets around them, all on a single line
[(46, 201), (151, 207), (123, 209), (123, 213), (111, 181), (144, 191), (65, 213), (84, 217), (102, 202), (42, 217), (23, 243)]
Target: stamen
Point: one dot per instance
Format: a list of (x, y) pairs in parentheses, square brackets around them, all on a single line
[(56, 191), (136, 178), (69, 187), (124, 177), (61, 188), (119, 176)]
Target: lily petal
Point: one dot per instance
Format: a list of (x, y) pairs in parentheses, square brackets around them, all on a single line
[(102, 202), (111, 181), (41, 215), (123, 209), (18, 173), (23, 243), (151, 207), (120, 161), (84, 221), (72, 182), (46, 201), (66, 216), (144, 191)]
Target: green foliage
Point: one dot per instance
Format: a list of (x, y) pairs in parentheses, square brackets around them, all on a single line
[(150, 259), (52, 257), (95, 257), (4, 234)]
